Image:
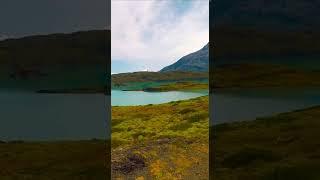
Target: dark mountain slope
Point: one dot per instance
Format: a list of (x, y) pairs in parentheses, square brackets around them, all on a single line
[(197, 61), (271, 14), (81, 47), (261, 31), (56, 61)]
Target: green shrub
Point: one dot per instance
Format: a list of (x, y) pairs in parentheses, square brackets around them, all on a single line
[(197, 117), (186, 110), (247, 156)]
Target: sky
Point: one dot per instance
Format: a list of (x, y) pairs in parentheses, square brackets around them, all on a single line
[(30, 17), (151, 34)]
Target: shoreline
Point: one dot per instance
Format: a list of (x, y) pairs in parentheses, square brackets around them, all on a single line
[(70, 91), (285, 144)]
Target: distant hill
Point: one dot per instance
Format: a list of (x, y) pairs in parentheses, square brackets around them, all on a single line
[(160, 81), (79, 60), (88, 47), (196, 62), (123, 78), (261, 31), (235, 43), (268, 15)]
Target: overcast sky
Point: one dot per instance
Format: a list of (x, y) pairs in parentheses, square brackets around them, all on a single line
[(28, 17), (150, 34)]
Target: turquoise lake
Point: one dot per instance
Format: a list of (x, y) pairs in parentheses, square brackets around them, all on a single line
[(231, 105), (30, 116), (26, 115), (242, 105), (133, 98)]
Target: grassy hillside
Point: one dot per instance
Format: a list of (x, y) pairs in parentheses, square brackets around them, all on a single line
[(56, 61), (244, 75), (234, 44), (90, 47), (283, 146), (161, 141), (262, 75), (160, 81), (65, 160), (123, 78), (178, 86)]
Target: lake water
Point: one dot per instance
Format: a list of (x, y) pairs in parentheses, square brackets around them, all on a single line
[(229, 106), (128, 98), (251, 104), (30, 116)]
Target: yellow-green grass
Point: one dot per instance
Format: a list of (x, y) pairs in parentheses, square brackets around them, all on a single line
[(261, 76), (185, 119), (284, 146), (179, 86), (65, 160), (168, 140), (124, 78)]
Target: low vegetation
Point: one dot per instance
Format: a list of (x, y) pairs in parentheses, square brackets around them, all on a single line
[(223, 77), (182, 86), (166, 141), (262, 76), (65, 160), (283, 146), (160, 81), (136, 77)]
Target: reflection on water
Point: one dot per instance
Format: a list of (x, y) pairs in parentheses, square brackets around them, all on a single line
[(250, 104), (31, 116), (127, 98)]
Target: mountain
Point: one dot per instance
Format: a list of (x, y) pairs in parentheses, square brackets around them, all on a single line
[(196, 62), (264, 31), (268, 15), (85, 47), (73, 61)]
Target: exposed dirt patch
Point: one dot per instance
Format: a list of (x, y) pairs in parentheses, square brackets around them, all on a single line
[(167, 158), (129, 163)]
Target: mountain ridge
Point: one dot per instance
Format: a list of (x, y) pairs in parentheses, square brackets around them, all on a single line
[(81, 47), (197, 61), (263, 31), (268, 15)]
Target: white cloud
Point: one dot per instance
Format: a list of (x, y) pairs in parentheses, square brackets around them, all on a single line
[(156, 33)]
